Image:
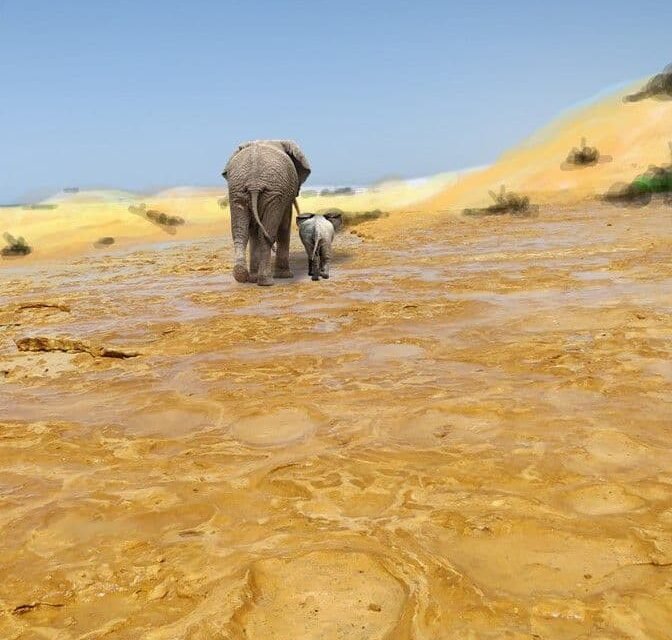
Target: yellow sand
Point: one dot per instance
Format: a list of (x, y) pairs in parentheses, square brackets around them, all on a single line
[(635, 135), (78, 222)]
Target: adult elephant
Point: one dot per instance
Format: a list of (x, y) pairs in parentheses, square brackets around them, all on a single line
[(264, 178)]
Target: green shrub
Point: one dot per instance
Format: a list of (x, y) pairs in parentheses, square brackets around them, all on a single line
[(655, 180), (640, 191)]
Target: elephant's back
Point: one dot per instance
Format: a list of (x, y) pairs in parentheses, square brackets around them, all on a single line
[(263, 164), (325, 229)]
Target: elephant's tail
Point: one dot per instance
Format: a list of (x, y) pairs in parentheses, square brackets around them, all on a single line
[(317, 238), (254, 197)]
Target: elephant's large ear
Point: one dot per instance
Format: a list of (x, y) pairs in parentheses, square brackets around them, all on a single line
[(300, 161), (336, 219), (302, 217)]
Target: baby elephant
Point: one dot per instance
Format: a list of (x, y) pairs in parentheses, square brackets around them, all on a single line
[(317, 234)]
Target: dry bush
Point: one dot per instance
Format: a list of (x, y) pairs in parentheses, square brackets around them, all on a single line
[(659, 87), (15, 246), (505, 202), (584, 155), (163, 218), (157, 217), (353, 218)]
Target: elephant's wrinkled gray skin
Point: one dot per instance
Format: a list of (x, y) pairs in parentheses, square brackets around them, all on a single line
[(264, 179), (317, 234)]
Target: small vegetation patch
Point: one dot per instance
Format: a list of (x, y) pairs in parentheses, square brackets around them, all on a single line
[(309, 193), (164, 220), (106, 241), (353, 218), (339, 191), (15, 246), (40, 206), (655, 180), (584, 155), (138, 209), (506, 203), (223, 202), (659, 87)]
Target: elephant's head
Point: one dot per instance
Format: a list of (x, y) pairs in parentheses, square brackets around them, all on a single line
[(291, 149)]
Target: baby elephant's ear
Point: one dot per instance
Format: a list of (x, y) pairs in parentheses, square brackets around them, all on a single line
[(303, 217), (336, 219)]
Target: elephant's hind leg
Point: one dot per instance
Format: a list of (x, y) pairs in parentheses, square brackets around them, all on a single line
[(282, 269), (254, 255), (264, 278), (240, 231)]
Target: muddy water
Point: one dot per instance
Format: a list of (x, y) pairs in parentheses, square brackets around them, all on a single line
[(465, 433)]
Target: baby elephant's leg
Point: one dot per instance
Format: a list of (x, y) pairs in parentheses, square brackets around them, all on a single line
[(309, 252), (315, 265), (325, 259)]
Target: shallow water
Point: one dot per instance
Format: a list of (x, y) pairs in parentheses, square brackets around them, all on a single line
[(464, 437)]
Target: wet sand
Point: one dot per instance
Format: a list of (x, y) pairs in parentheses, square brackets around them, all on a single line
[(465, 433)]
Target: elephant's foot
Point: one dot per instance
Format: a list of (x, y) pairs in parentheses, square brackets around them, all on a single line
[(264, 281), (315, 277), (325, 276), (253, 276), (240, 273), (283, 273)]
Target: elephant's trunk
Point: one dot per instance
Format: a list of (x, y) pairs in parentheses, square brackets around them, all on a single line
[(254, 196)]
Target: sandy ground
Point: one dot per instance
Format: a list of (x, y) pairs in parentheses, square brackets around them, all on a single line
[(463, 434)]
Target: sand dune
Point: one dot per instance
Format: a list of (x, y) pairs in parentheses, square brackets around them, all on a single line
[(80, 219), (635, 135), (631, 135)]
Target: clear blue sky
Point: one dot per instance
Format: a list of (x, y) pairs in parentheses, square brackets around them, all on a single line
[(142, 94)]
